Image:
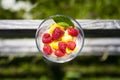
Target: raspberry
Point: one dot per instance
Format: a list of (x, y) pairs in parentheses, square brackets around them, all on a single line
[(71, 45), (57, 33), (47, 49), (54, 26), (62, 46), (46, 38), (72, 31), (59, 53)]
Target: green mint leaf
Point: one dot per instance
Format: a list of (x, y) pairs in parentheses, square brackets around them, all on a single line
[(62, 18), (64, 24)]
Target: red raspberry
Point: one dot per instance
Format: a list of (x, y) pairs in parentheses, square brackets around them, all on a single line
[(57, 33), (62, 46), (46, 38), (71, 45), (73, 31), (59, 53), (47, 49)]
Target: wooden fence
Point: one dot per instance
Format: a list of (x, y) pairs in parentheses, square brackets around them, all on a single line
[(17, 37)]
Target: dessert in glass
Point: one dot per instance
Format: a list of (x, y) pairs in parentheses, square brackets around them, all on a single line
[(59, 38)]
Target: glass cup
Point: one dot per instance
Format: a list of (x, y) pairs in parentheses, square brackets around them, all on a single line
[(45, 26)]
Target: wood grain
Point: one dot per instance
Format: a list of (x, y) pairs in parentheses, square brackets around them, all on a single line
[(85, 24)]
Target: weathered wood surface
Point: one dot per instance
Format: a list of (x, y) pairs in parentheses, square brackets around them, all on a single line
[(17, 37), (28, 47), (86, 24)]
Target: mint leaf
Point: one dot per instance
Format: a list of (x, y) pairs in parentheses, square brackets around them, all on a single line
[(64, 24), (62, 18)]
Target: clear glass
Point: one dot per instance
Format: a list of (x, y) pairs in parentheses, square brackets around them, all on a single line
[(45, 25)]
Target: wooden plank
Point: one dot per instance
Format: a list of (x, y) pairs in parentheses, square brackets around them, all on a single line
[(100, 24), (27, 28), (93, 46), (19, 24), (86, 24)]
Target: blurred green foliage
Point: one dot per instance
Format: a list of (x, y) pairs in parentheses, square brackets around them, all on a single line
[(82, 68), (78, 9)]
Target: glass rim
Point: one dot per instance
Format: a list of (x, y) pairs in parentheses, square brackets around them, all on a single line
[(55, 61)]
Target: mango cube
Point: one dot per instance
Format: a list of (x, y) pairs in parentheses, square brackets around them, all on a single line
[(54, 44), (66, 37), (68, 51)]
